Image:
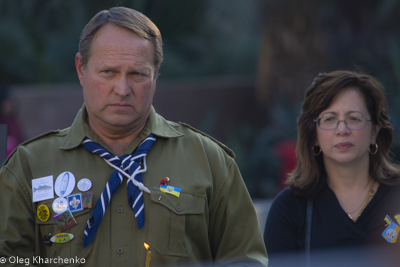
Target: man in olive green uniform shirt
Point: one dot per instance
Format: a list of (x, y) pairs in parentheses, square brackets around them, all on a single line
[(212, 220)]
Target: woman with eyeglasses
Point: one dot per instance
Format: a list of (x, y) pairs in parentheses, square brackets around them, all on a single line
[(343, 194)]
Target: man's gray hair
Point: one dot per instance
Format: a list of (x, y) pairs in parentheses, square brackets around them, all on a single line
[(129, 19)]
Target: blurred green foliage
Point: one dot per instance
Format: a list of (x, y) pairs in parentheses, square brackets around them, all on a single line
[(39, 40), (355, 36), (256, 150)]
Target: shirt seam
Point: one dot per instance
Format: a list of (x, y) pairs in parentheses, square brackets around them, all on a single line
[(228, 166), (19, 183)]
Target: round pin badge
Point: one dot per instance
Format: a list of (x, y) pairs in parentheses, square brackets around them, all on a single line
[(64, 184), (43, 213), (60, 205), (84, 184)]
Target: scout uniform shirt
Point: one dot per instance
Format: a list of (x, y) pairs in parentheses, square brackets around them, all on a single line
[(212, 220)]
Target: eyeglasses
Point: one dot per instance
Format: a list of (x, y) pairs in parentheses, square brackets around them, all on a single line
[(353, 122)]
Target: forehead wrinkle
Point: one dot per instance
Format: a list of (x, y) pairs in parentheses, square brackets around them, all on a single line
[(113, 45), (128, 60)]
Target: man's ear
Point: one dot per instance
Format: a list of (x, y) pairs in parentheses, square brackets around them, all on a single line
[(79, 67)]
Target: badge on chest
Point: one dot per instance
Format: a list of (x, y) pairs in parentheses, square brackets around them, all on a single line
[(391, 233)]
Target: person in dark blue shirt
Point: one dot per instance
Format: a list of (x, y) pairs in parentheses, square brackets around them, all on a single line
[(343, 197)]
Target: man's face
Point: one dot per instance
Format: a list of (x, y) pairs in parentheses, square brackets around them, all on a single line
[(118, 81)]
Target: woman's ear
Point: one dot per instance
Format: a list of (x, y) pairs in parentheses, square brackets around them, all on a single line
[(375, 132)]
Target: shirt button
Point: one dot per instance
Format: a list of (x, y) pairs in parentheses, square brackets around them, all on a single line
[(120, 209), (178, 208), (120, 250)]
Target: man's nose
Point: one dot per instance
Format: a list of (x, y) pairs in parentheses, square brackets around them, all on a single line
[(122, 87)]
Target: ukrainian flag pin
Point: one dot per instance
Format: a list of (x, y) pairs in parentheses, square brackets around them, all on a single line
[(391, 232), (170, 190)]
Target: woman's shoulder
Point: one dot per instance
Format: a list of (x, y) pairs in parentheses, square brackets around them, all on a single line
[(289, 194), (288, 200), (389, 191), (285, 219)]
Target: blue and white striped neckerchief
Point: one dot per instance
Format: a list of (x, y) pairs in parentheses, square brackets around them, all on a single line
[(126, 165)]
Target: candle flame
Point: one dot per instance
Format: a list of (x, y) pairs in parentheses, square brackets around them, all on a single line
[(146, 246)]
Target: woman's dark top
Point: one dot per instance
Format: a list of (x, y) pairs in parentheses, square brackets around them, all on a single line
[(334, 236)]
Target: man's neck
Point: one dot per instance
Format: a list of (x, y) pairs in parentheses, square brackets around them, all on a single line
[(117, 141), (118, 148)]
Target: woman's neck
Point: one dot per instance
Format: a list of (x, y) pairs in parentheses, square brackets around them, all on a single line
[(353, 187), (347, 176), (342, 178)]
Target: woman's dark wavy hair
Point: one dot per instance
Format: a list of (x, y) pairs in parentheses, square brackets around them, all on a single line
[(309, 175)]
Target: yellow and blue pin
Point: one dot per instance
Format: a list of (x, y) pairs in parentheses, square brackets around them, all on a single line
[(169, 189), (391, 233)]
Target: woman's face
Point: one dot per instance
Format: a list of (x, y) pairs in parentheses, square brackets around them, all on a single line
[(341, 145)]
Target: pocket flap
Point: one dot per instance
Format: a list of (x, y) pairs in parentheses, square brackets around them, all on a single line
[(186, 203)]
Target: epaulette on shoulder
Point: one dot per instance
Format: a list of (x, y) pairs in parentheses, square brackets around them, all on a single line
[(29, 141), (224, 147), (40, 136)]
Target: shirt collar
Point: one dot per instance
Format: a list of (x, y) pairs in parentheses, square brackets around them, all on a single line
[(79, 129)]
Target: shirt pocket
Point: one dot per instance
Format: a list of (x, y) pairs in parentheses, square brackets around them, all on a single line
[(73, 248), (171, 219)]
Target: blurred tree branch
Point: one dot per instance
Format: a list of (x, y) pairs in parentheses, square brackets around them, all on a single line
[(292, 50)]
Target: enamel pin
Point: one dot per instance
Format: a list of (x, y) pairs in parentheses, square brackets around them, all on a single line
[(62, 238), (75, 202), (87, 200), (392, 230), (43, 213), (46, 240), (84, 184), (60, 205), (65, 220), (171, 190), (164, 181), (64, 184)]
